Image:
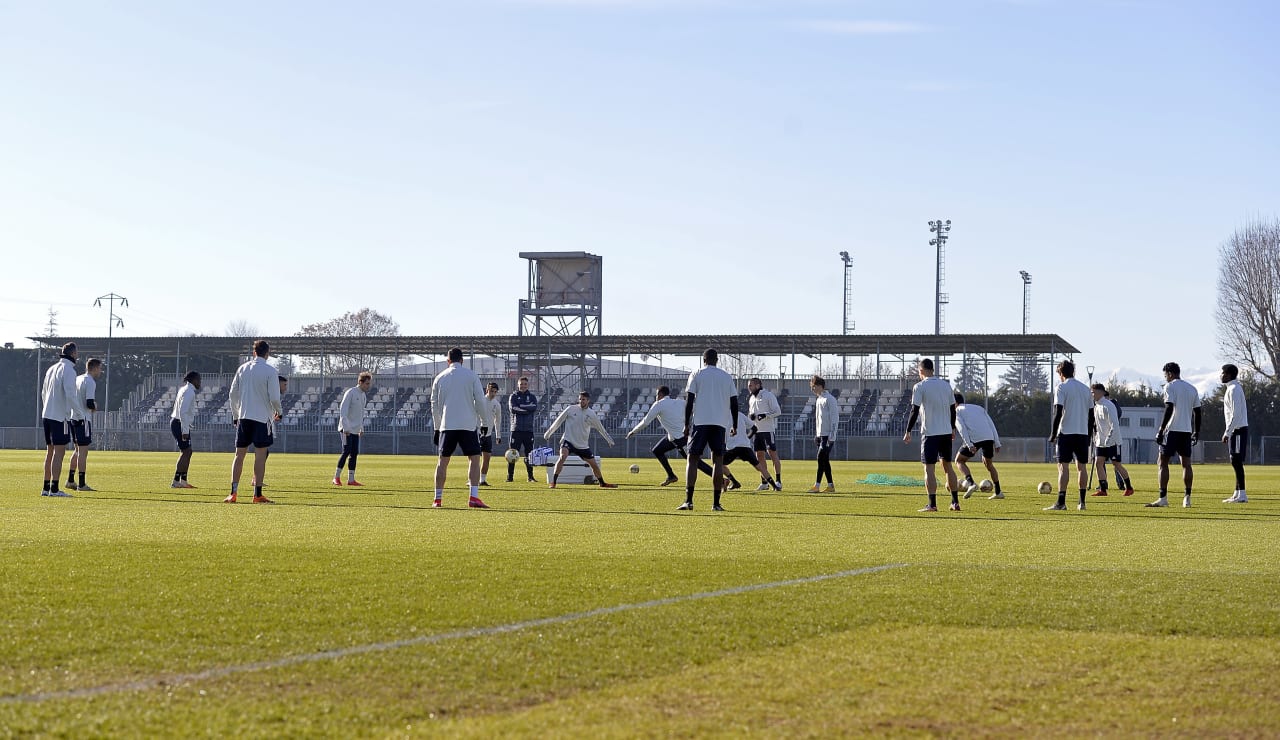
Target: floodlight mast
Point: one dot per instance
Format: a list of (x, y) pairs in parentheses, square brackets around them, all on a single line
[(112, 322), (1026, 299), (940, 229), (848, 325)]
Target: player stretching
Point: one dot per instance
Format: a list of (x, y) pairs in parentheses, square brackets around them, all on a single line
[(1109, 442), (1179, 431), (934, 403), (669, 412), (763, 411), (979, 436)]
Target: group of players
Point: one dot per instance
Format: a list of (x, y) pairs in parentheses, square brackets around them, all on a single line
[(467, 418)]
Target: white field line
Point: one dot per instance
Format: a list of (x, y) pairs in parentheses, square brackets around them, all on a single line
[(378, 647)]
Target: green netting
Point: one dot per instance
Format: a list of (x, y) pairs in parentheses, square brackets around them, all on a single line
[(879, 479)]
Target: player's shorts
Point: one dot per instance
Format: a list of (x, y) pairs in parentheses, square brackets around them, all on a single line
[(82, 432), (1238, 442), (987, 447), (667, 444), (934, 448), (256, 433), (707, 436), (175, 427), (584, 454), (764, 442), (350, 443), (1176, 443), (522, 441), (1110, 452), (468, 440), (745, 454), (824, 444), (486, 443), (1073, 446), (56, 433)]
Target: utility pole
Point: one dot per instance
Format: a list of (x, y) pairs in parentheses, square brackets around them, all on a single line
[(112, 322)]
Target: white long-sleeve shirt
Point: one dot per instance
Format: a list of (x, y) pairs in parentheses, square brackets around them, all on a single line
[(255, 392), (740, 439), (351, 411), (184, 407), (826, 415), (669, 412), (492, 415), (765, 403), (975, 425), (578, 423), (1233, 407), (457, 400), (59, 391), (86, 391), (1105, 423)]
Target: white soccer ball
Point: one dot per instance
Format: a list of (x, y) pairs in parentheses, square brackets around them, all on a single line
[(1045, 487), (986, 486), (635, 468), (513, 455)]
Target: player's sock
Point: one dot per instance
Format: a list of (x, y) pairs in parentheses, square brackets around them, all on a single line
[(1164, 493), (475, 491), (955, 497), (1082, 495), (997, 485), (778, 478), (235, 487), (688, 495), (337, 473), (71, 478), (257, 490), (1062, 498), (351, 474), (483, 479), (1102, 484), (933, 500), (82, 479), (439, 493), (1188, 491), (53, 486), (46, 485), (529, 469), (177, 476), (1127, 484), (716, 499), (511, 471), (968, 479)]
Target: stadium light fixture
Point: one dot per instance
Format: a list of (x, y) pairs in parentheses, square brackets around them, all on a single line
[(1026, 299)]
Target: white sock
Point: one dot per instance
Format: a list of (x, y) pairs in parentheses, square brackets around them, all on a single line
[(351, 475), (482, 479), (475, 492), (337, 473)]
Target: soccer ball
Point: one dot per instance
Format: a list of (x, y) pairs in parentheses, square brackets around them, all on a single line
[(1045, 487), (986, 486), (635, 468), (513, 455)]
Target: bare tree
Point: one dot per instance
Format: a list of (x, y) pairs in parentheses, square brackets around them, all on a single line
[(1248, 310), (742, 367), (242, 328), (363, 323)]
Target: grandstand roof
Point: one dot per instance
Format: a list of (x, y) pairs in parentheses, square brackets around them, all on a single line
[(901, 345)]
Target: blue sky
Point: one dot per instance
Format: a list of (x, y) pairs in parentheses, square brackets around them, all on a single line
[(286, 162)]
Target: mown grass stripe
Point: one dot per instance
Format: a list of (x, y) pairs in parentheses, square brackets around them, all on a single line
[(377, 647)]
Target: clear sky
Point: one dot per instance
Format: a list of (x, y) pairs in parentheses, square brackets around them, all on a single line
[(285, 162)]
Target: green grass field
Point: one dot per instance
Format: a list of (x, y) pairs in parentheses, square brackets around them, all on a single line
[(140, 610)]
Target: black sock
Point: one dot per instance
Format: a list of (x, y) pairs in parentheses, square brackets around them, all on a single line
[(1102, 484), (688, 495), (933, 500), (997, 485), (82, 479), (1164, 493), (183, 474), (177, 476), (1081, 495), (1062, 498), (46, 485), (71, 477), (955, 498), (716, 500), (53, 486), (778, 478), (1127, 484), (1188, 489), (257, 490)]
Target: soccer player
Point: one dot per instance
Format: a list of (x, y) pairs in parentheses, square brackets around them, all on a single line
[(1236, 435), (255, 403), (492, 420), (351, 427), (457, 410), (1179, 431), (183, 416), (763, 411), (669, 412), (524, 409), (578, 421), (979, 437), (826, 417), (81, 424), (934, 403), (1072, 430), (740, 448), (58, 401), (710, 416), (1106, 425)]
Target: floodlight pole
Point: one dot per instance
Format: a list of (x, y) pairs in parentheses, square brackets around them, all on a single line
[(940, 229), (112, 322), (1026, 299), (847, 327)]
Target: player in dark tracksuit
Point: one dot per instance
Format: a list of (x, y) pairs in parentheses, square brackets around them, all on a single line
[(524, 411)]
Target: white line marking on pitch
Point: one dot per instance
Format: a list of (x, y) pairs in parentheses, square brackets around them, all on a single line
[(378, 647)]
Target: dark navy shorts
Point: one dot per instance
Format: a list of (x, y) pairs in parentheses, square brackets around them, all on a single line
[(745, 454), (467, 440), (934, 448), (1110, 452), (175, 427), (256, 433), (986, 447), (570, 449), (1176, 443), (1073, 447), (56, 433), (82, 432), (764, 442), (707, 436), (486, 443)]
